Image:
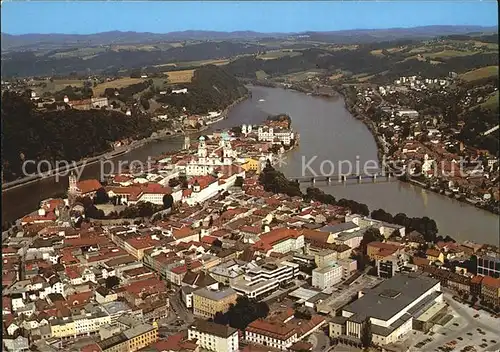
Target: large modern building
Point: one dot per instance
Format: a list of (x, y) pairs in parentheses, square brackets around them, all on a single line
[(327, 276), (489, 265), (207, 302), (214, 337), (262, 280), (391, 308)]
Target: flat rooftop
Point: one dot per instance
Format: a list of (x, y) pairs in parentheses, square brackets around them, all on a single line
[(391, 296), (214, 295), (326, 269)]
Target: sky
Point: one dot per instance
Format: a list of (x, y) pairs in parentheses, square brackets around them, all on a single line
[(85, 17)]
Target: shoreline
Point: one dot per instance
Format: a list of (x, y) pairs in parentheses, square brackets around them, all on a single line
[(381, 152), (380, 147), (108, 155)]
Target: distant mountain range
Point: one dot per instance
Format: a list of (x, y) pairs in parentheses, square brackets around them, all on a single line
[(34, 41)]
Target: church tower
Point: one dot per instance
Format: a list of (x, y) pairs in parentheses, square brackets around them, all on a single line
[(202, 148), (187, 142), (227, 151), (72, 189)]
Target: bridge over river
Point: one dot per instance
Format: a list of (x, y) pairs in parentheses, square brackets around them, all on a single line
[(343, 178)]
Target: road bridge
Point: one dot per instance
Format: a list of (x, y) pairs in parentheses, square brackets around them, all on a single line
[(343, 178)]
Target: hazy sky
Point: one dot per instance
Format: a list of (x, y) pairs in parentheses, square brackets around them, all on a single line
[(266, 16)]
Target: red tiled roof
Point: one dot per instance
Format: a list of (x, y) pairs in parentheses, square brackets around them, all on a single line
[(182, 233), (94, 347), (143, 242), (477, 279), (251, 229), (432, 252), (49, 216), (317, 236), (87, 186), (150, 285), (275, 330), (121, 178), (203, 181), (73, 272), (491, 282), (277, 235), (208, 239), (80, 298)]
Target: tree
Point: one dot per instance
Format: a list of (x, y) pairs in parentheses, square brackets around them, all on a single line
[(244, 312), (372, 234), (173, 182), (135, 74), (145, 103), (302, 314), (217, 244), (366, 333), (168, 201), (239, 181), (112, 281), (101, 197), (221, 318)]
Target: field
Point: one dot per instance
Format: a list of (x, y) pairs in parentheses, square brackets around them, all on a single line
[(118, 83), (183, 76), (203, 62), (270, 55), (304, 75), (448, 53), (377, 52), (480, 73), (491, 102), (365, 78), (336, 76), (84, 53), (57, 85), (261, 74), (196, 63)]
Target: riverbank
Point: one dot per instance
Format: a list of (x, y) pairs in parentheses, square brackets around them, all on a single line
[(292, 86), (135, 144), (383, 152)]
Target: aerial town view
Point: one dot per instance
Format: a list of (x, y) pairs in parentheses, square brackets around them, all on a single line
[(250, 176)]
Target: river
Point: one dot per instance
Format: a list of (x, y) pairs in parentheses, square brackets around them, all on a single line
[(327, 132)]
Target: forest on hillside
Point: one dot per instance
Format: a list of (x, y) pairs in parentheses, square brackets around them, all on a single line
[(69, 135), (29, 134), (386, 68), (212, 88)]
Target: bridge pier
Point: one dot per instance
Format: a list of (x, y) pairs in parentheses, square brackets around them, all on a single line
[(360, 178), (374, 177), (313, 180), (328, 180), (343, 178)]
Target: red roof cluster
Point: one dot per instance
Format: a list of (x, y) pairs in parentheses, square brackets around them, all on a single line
[(88, 186)]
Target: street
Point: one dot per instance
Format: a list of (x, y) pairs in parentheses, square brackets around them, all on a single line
[(179, 317), (320, 341)]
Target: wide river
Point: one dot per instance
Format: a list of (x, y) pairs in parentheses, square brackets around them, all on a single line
[(328, 134)]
